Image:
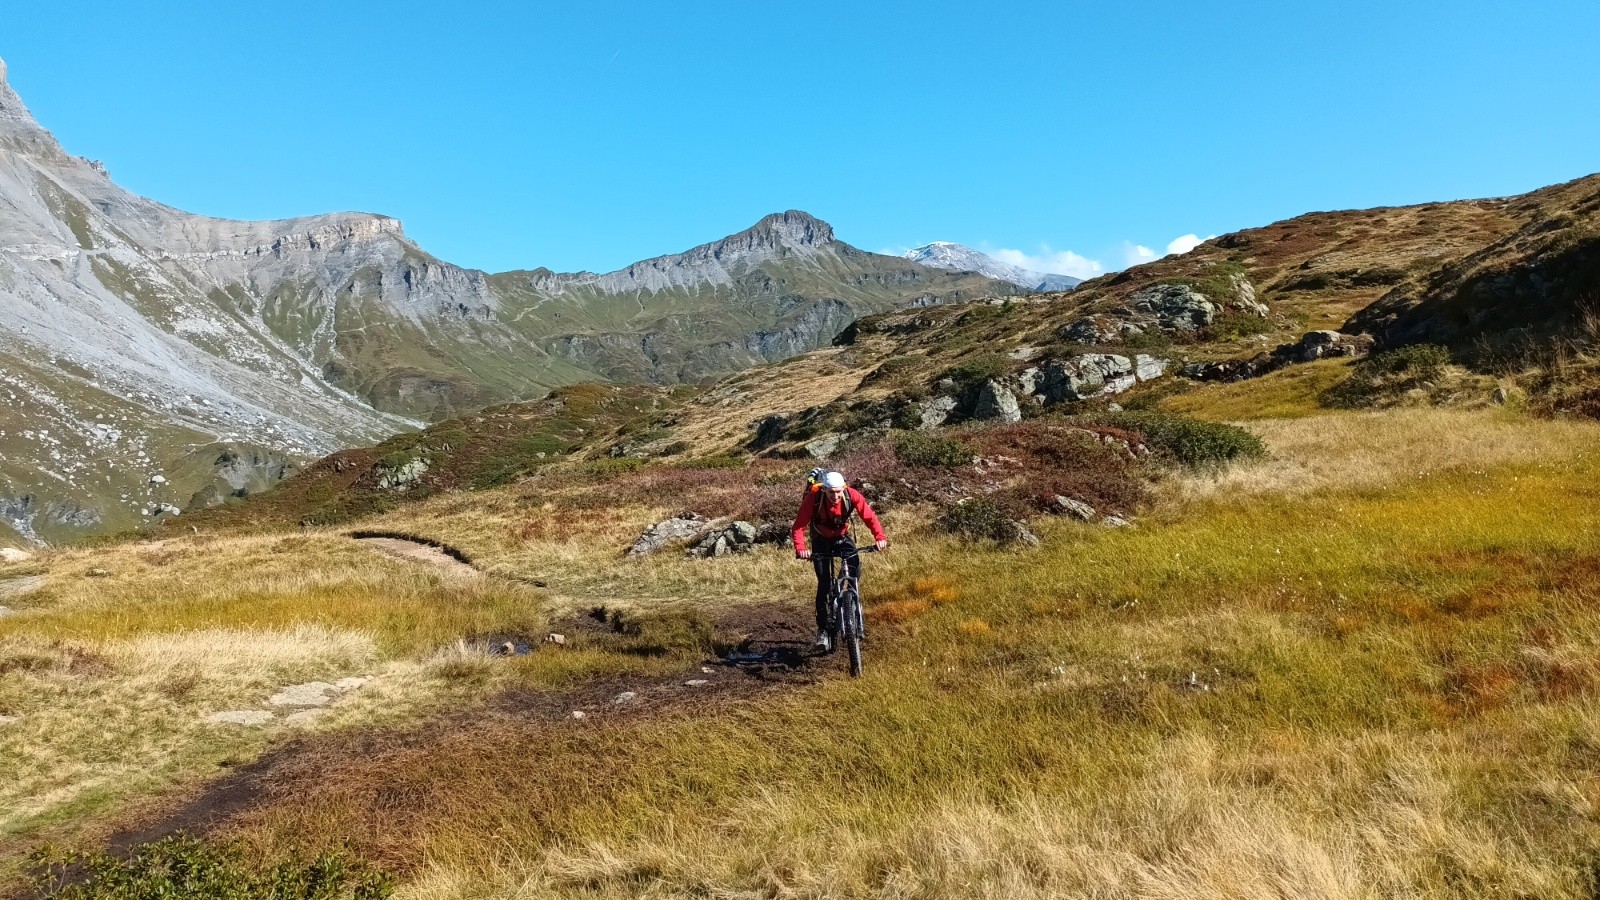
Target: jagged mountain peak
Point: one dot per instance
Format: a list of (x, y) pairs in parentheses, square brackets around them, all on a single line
[(18, 129), (794, 227)]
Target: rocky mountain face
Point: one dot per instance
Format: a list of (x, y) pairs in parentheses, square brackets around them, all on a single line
[(146, 354), (945, 255)]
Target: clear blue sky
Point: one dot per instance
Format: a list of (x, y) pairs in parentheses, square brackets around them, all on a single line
[(589, 135)]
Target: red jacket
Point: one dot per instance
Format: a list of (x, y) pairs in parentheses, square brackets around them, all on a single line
[(829, 519)]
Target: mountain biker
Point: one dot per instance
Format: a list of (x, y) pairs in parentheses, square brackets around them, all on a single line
[(825, 515)]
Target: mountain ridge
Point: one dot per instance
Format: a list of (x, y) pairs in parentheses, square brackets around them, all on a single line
[(295, 337)]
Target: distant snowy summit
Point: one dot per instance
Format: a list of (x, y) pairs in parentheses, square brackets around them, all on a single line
[(945, 255)]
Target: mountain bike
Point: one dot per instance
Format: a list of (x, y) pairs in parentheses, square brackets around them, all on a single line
[(845, 620)]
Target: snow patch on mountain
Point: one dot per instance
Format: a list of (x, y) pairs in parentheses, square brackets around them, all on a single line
[(946, 255)]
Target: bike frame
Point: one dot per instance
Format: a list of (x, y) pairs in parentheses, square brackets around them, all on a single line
[(844, 604)]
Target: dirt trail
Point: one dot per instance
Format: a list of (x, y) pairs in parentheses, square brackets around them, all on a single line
[(772, 656), (419, 551)]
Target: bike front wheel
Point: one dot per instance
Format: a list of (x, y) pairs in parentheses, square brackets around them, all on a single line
[(851, 619)]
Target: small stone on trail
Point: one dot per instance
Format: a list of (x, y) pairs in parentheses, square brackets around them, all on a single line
[(625, 697), (707, 670), (559, 640), (313, 693), (696, 682), (240, 717), (579, 714)]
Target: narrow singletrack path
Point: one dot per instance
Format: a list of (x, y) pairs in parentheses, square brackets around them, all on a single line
[(419, 551)]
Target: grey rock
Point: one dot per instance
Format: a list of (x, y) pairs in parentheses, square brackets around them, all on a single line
[(402, 476), (825, 446), (559, 640), (769, 431), (1148, 368), (312, 693), (1500, 396), (1023, 535), (1086, 376), (240, 717), (1116, 522), (1176, 307), (996, 402), (625, 698), (743, 532), (1075, 508), (935, 412), (1029, 380), (696, 682), (1086, 330), (158, 479), (1244, 296), (667, 531)]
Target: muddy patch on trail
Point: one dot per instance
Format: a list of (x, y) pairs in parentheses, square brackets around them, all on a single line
[(387, 785), (20, 586), (417, 550)]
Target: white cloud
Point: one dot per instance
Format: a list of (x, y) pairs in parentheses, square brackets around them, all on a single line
[(1135, 254), (1186, 243), (1051, 262)]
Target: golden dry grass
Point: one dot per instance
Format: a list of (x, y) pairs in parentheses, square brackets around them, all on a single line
[(1363, 668)]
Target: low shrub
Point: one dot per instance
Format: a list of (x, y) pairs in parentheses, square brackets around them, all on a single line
[(1234, 324), (978, 518), (1191, 442), (975, 370), (715, 461), (181, 866), (930, 452), (611, 467), (1387, 374)]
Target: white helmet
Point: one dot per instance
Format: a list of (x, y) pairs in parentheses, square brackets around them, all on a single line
[(833, 481)]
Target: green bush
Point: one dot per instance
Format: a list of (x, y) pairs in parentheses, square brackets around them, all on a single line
[(180, 866), (611, 467), (1189, 441), (930, 452), (978, 518), (715, 461), (978, 369), (1423, 361), (1233, 324), (1389, 373)]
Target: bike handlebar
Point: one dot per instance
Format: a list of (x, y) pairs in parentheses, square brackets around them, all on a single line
[(870, 548)]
